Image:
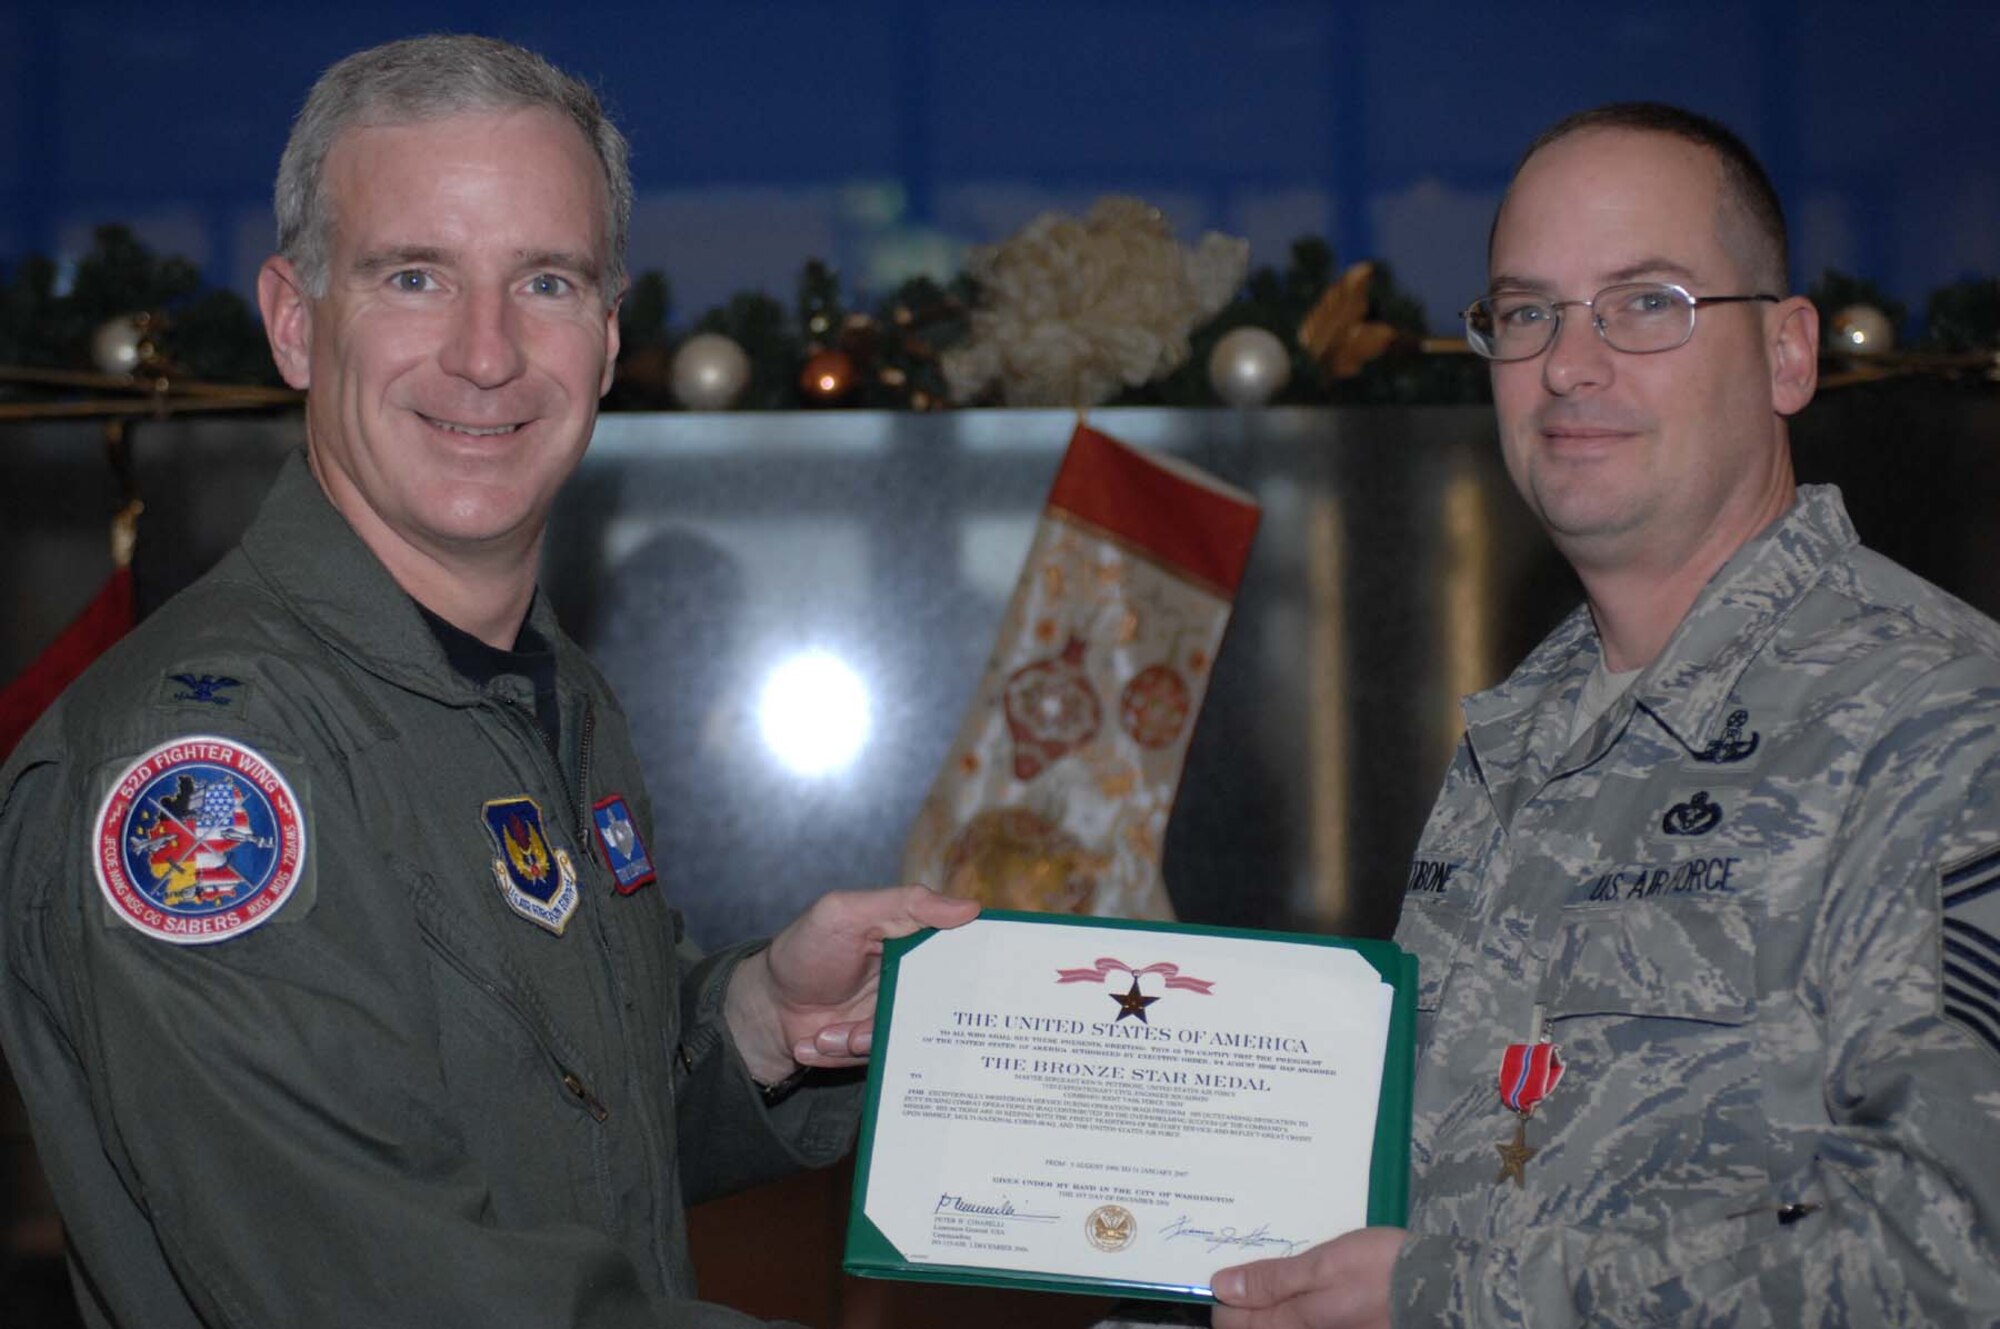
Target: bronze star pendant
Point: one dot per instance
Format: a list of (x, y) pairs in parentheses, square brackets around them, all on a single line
[(1514, 1156), (1132, 1003)]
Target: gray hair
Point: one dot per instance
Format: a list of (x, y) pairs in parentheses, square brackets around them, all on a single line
[(430, 78)]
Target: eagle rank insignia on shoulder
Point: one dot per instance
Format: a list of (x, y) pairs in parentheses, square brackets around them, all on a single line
[(199, 840), (537, 880)]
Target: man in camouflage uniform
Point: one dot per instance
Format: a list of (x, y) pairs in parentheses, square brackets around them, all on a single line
[(1715, 875)]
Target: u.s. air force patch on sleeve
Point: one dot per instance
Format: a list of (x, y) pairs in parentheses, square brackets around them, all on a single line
[(198, 840)]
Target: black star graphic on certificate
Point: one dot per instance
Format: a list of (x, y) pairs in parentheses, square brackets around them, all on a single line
[(1514, 1156), (1132, 1003)]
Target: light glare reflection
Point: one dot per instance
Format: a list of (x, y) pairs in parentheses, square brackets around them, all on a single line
[(814, 713)]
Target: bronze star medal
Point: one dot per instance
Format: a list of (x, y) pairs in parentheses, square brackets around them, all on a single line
[(1132, 1003), (1529, 1073), (1514, 1157)]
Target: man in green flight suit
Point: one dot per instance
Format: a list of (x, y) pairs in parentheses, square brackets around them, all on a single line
[(334, 967)]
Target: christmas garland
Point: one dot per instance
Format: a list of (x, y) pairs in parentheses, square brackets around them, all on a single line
[(1307, 334)]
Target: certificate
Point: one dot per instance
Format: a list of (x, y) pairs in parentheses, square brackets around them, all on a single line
[(1096, 1105)]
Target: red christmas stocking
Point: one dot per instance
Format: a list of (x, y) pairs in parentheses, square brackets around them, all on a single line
[(1056, 793)]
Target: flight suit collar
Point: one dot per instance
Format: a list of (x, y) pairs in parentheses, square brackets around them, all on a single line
[(309, 554)]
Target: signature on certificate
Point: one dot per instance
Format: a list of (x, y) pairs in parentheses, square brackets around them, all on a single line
[(986, 1208), (1215, 1238)]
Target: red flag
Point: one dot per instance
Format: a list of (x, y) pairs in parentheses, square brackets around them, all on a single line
[(109, 616)]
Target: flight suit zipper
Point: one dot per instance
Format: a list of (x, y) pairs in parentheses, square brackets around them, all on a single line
[(583, 835), (581, 794), (581, 1092), (571, 1078)]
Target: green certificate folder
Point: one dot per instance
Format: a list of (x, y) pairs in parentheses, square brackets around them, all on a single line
[(1112, 1107)]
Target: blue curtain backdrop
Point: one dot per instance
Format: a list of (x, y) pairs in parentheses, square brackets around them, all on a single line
[(886, 135)]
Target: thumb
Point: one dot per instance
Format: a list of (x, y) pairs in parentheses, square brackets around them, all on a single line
[(928, 909), (1260, 1283)]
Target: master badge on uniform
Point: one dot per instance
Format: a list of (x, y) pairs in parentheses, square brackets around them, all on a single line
[(624, 850), (537, 881)]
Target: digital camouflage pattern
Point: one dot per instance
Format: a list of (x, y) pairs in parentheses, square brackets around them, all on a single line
[(1726, 898)]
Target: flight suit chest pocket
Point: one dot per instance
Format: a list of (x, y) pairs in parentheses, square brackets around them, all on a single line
[(526, 1098)]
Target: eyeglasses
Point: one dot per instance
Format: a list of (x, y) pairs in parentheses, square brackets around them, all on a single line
[(1639, 318)]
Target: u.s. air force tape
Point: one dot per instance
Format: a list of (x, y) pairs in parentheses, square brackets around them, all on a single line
[(198, 840)]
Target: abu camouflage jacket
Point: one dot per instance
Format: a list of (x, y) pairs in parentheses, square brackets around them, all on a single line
[(1756, 908)]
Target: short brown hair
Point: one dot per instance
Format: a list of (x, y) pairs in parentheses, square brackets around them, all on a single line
[(1744, 181)]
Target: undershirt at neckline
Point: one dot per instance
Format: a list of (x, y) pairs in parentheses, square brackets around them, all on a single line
[(478, 663), (1600, 690)]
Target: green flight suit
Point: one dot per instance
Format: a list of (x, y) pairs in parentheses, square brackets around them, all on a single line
[(396, 1100)]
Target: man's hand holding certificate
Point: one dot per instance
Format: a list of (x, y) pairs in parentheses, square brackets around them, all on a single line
[(1093, 1105)]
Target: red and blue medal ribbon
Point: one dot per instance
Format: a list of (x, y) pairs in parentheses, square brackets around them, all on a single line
[(1529, 1073)]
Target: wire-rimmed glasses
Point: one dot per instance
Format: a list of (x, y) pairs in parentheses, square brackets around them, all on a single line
[(1639, 318)]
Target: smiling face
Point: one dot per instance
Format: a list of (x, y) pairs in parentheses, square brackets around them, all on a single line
[(1662, 463), (454, 363)]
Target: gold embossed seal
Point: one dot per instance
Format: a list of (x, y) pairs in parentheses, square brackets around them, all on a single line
[(1111, 1227)]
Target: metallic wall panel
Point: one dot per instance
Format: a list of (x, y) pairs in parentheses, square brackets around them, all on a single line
[(696, 556), (1395, 570)]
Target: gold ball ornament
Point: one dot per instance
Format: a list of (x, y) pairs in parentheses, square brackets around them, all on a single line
[(1249, 366), (827, 377), (710, 372), (1862, 330)]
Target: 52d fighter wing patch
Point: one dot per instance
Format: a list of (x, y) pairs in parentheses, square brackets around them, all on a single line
[(199, 840)]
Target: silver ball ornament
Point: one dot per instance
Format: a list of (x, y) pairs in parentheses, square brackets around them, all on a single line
[(120, 345), (710, 372), (1249, 366), (1862, 330)]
